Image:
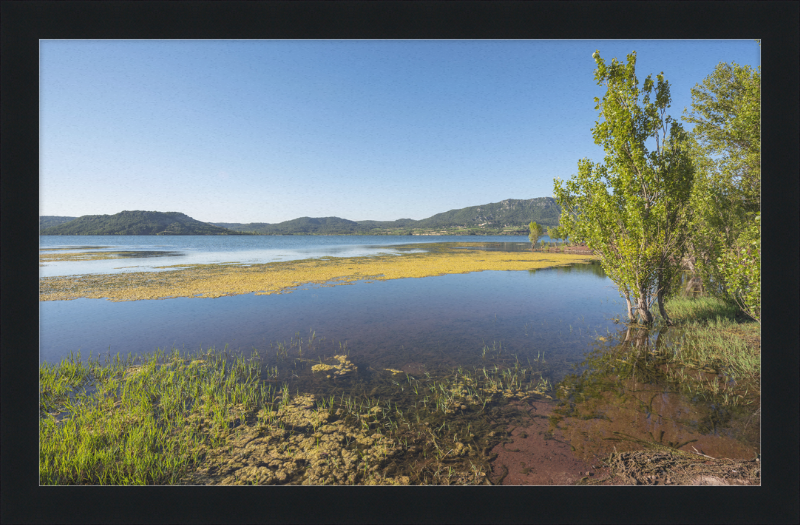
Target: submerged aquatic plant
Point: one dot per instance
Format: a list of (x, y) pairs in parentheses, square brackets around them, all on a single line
[(174, 418)]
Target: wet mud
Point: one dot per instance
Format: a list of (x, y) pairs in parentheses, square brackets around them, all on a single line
[(535, 454)]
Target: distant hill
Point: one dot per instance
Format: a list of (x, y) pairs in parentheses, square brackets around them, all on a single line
[(46, 221), (303, 225), (508, 217), (136, 223), (510, 213)]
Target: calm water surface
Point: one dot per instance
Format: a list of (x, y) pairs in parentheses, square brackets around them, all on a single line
[(433, 321)]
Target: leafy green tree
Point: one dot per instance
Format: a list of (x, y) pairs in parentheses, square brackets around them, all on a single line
[(740, 266), (554, 233), (726, 149), (536, 231), (632, 209), (726, 113)]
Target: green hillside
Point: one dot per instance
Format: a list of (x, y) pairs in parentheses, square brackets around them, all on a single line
[(311, 226), (301, 226), (507, 213), (136, 223), (46, 221)]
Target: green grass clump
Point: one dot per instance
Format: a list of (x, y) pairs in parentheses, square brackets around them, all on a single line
[(701, 309), (714, 335), (721, 345), (144, 421)]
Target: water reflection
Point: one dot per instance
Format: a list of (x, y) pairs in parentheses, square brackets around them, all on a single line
[(499, 247), (426, 323), (593, 267), (626, 397)]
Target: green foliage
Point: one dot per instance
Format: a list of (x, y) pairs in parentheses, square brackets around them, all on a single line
[(136, 223), (554, 232), (740, 267), (726, 150), (536, 231), (632, 209), (726, 112)]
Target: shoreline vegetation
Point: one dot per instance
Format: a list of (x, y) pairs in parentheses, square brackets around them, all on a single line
[(217, 280), (715, 359), (210, 418), (215, 418)]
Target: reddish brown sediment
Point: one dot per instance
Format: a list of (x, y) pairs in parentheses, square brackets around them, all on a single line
[(535, 456), (540, 454), (608, 422)]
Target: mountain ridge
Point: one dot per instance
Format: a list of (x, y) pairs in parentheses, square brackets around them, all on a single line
[(507, 217), (508, 213), (135, 222)]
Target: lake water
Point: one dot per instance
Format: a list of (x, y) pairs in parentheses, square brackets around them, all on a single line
[(151, 251), (550, 317), (433, 321)]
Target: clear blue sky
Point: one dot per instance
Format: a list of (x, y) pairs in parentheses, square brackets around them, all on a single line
[(268, 131)]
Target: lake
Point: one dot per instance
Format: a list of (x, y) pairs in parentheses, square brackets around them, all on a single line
[(551, 311), (562, 322), (150, 251)]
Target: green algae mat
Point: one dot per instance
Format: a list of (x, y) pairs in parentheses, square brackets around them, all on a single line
[(217, 280)]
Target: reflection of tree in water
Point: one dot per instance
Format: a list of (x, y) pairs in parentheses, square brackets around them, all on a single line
[(594, 268), (627, 396)]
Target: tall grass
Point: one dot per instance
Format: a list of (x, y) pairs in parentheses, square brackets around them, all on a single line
[(713, 334), (140, 422), (154, 419), (700, 309)]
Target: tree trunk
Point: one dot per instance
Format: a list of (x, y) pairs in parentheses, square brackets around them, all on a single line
[(644, 312), (695, 283), (631, 316), (664, 286), (663, 310)]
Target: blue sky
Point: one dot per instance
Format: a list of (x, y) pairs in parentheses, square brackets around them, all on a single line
[(268, 131)]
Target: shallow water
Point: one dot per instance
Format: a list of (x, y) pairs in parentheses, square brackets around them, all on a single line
[(620, 399), (446, 320), (548, 317)]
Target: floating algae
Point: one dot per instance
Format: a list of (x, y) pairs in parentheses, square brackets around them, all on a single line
[(304, 446), (219, 422), (217, 280), (344, 367)]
